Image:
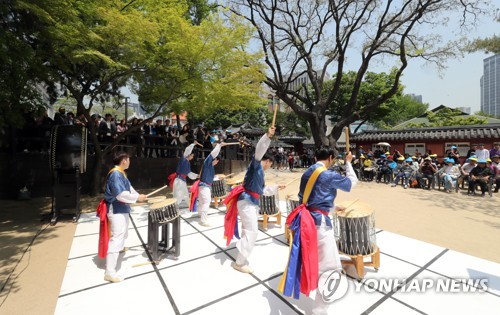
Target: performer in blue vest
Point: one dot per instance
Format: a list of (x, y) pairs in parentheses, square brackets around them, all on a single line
[(244, 200), (205, 184), (177, 180), (118, 195), (312, 223)]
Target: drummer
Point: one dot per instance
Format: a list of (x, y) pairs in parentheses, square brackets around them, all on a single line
[(205, 185), (244, 200), (177, 180), (118, 195), (320, 202)]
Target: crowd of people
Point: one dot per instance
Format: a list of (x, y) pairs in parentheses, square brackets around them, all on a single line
[(155, 139), (481, 168)]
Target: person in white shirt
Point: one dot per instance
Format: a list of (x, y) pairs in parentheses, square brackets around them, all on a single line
[(482, 153)]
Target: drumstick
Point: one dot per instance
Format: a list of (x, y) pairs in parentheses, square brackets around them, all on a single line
[(274, 117), (142, 264), (347, 146), (351, 204), (154, 192), (292, 181)]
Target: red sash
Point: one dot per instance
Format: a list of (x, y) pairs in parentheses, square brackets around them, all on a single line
[(231, 217), (195, 190), (102, 213), (171, 178)]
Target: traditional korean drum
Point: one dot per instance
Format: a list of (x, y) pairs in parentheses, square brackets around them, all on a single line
[(163, 211), (235, 180), (268, 205), (219, 188), (156, 199), (355, 229), (292, 202)]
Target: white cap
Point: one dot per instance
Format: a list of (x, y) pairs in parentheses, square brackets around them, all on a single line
[(188, 150)]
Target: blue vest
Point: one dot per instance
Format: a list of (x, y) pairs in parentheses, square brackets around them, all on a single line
[(183, 168), (324, 191), (208, 172), (254, 181), (116, 184)]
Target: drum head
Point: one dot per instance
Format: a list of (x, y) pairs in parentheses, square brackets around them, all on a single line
[(235, 180), (354, 209), (163, 204), (156, 199)]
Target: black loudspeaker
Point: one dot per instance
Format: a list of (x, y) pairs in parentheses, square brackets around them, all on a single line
[(231, 151), (68, 148)]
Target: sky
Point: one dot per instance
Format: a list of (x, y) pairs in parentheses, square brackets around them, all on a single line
[(456, 86)]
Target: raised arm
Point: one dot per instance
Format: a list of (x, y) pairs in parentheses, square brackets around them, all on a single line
[(263, 144)]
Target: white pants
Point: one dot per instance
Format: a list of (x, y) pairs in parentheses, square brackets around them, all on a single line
[(119, 233), (204, 198), (328, 259), (249, 230), (181, 192)]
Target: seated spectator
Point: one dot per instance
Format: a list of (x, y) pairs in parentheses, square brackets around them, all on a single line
[(449, 174), (383, 168), (369, 167), (467, 167), (495, 165), (404, 172), (426, 172), (479, 175)]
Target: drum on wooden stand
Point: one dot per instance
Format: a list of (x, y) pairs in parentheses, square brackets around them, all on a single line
[(161, 215), (355, 234), (269, 207), (219, 190)]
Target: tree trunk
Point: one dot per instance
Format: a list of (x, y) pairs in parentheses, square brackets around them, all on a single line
[(318, 129)]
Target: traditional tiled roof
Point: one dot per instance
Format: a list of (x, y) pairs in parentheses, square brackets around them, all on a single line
[(292, 139), (490, 131)]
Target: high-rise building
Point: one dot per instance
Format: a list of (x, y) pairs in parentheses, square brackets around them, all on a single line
[(464, 109), (490, 86), (416, 97)]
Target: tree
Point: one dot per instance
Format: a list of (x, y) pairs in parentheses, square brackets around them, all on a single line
[(448, 117), (93, 48), (306, 39), (488, 45), (21, 73), (399, 109)]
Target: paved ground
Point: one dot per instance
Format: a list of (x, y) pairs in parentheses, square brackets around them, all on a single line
[(422, 235)]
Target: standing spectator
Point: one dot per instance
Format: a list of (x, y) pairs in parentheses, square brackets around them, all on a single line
[(495, 150), (472, 151), (161, 133), (71, 118), (135, 138), (174, 140), (60, 117), (452, 153), (122, 126), (186, 135), (482, 153), (290, 160), (148, 139), (107, 129)]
